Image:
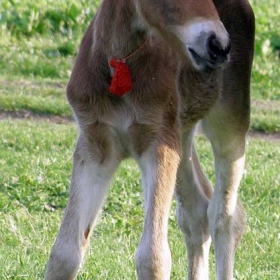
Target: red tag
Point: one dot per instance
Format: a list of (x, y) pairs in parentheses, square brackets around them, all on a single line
[(121, 81)]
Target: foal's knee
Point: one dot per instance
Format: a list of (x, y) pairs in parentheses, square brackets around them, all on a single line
[(193, 222), (239, 223), (222, 224), (63, 264)]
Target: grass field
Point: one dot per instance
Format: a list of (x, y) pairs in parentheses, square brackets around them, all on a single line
[(38, 42)]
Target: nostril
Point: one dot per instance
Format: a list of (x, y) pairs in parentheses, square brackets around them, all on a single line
[(215, 48)]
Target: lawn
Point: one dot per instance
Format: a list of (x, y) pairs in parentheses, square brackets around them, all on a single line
[(38, 42)]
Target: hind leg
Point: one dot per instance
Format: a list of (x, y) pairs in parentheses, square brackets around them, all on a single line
[(94, 164), (193, 192)]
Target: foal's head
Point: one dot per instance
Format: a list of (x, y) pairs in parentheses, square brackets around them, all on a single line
[(192, 26)]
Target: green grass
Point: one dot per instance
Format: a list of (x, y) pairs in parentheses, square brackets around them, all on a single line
[(40, 98), (267, 50), (24, 17), (38, 56), (265, 115), (38, 43), (31, 155)]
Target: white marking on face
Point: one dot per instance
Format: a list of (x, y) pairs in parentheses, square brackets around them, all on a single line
[(190, 34)]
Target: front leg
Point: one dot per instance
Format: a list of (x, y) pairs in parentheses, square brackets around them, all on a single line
[(225, 213), (159, 167), (95, 161)]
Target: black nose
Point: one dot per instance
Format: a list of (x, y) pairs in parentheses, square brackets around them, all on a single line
[(217, 53)]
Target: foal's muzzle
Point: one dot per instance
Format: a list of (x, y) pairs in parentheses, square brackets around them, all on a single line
[(214, 55), (206, 43)]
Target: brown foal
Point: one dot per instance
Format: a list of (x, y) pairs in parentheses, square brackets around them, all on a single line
[(189, 60)]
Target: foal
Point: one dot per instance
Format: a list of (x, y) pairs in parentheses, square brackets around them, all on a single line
[(175, 51)]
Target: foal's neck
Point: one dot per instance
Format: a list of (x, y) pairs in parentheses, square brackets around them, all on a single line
[(119, 30)]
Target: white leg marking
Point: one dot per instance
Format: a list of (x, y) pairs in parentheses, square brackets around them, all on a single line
[(89, 187), (224, 216)]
